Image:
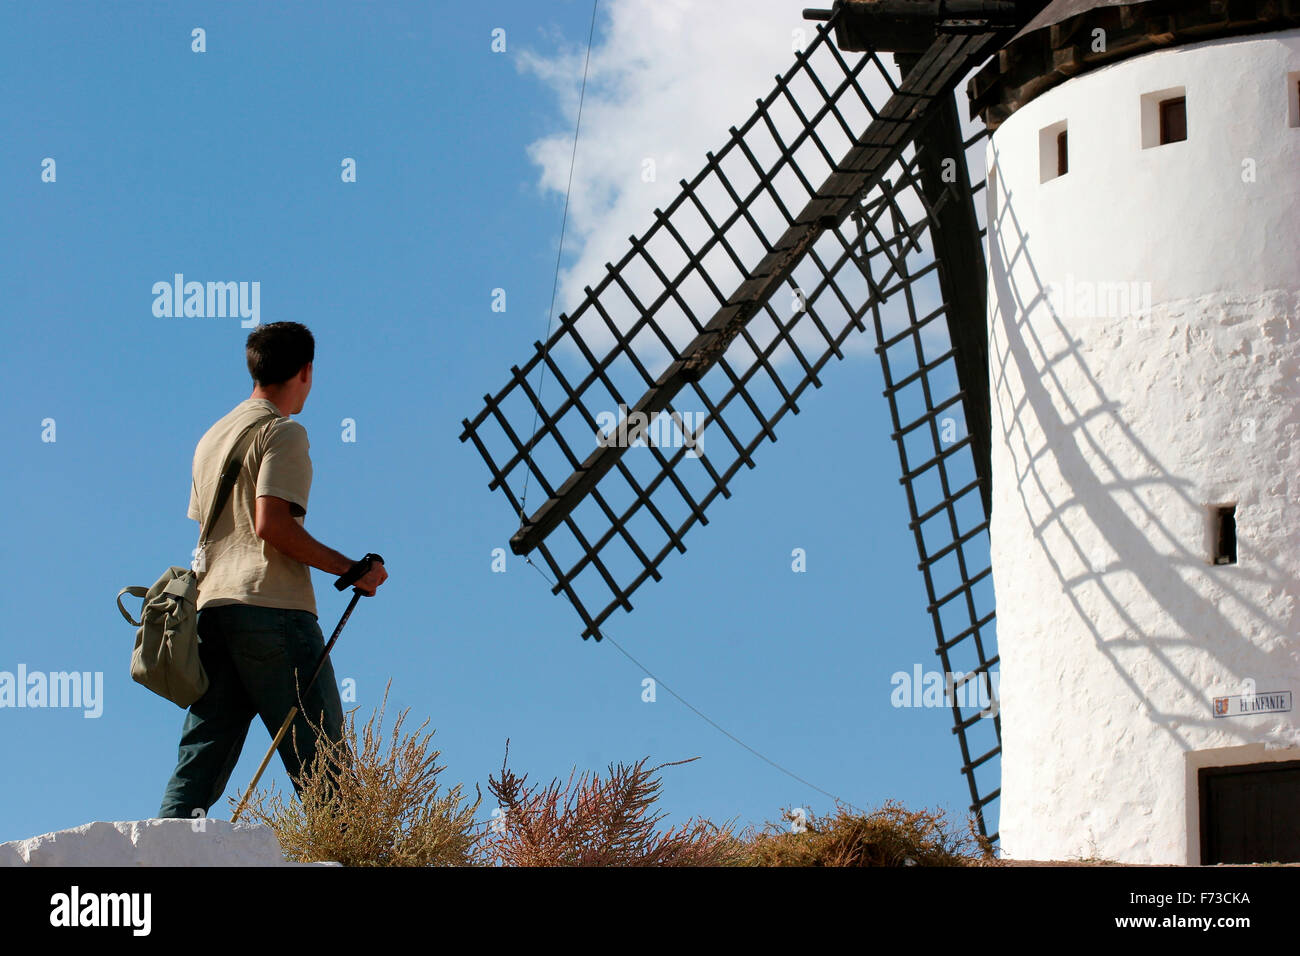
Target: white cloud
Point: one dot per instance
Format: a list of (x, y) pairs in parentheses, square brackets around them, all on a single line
[(667, 78)]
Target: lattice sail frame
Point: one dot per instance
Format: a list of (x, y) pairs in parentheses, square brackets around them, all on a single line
[(689, 329)]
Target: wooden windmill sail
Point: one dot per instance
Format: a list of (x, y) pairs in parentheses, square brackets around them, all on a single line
[(847, 192)]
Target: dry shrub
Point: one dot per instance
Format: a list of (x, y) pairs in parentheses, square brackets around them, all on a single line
[(361, 806), (597, 823), (889, 836)]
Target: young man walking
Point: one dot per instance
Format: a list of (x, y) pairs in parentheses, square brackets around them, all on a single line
[(256, 608)]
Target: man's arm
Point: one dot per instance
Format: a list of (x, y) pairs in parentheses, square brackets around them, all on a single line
[(275, 525), (283, 481)]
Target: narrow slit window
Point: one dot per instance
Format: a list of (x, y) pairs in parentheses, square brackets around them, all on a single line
[(1173, 120), (1225, 535), (1062, 153)]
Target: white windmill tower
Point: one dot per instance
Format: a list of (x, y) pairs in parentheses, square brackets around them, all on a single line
[(1144, 371)]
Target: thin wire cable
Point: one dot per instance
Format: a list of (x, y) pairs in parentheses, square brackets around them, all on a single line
[(712, 723), (559, 253)]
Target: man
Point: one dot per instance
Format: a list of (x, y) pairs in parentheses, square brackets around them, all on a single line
[(256, 609)]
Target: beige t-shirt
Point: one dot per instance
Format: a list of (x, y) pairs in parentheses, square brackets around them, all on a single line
[(241, 568)]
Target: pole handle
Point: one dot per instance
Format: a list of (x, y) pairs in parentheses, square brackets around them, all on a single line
[(357, 571)]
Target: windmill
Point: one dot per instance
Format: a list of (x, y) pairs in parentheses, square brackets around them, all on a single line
[(848, 192)]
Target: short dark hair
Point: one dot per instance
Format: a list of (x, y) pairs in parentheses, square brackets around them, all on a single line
[(278, 351)]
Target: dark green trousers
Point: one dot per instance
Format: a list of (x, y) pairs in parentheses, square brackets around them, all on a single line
[(250, 655)]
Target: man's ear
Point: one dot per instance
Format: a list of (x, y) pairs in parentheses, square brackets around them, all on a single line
[(305, 373)]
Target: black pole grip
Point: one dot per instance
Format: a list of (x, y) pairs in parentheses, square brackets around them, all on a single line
[(356, 572)]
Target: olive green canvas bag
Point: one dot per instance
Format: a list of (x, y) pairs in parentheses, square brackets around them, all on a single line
[(166, 654)]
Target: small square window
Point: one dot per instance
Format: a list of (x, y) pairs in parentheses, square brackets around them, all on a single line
[(1164, 117), (1053, 152)]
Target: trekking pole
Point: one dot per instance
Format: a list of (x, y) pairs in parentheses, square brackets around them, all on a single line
[(360, 570)]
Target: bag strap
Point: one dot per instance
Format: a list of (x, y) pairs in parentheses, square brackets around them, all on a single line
[(229, 475), (136, 591)]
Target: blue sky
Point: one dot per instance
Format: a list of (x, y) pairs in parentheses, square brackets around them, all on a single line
[(225, 165)]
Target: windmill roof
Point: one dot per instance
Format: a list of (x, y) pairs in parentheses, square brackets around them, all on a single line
[(1057, 42), (1059, 10)]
